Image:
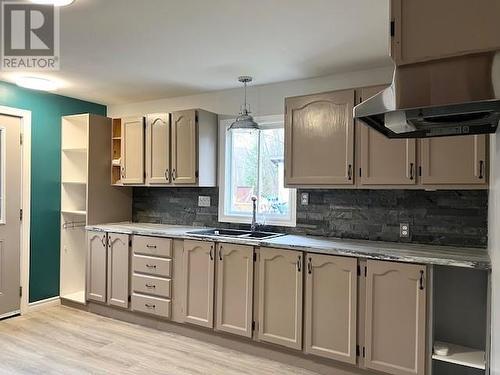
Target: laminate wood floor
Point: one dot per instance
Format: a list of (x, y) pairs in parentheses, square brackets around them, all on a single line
[(61, 340)]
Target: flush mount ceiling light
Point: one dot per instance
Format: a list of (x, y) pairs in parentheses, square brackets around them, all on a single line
[(36, 83), (57, 3), (244, 120)]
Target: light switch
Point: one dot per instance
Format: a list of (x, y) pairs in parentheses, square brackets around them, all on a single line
[(203, 201), (304, 199)]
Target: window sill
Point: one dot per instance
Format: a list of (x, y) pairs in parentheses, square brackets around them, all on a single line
[(247, 220)]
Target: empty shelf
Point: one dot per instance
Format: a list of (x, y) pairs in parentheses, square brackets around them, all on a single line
[(74, 212), (74, 150), (74, 182), (461, 355), (78, 297)]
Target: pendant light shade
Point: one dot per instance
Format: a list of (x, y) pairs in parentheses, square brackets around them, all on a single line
[(244, 119)]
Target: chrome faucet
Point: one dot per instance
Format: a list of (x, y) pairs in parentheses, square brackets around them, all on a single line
[(253, 227)]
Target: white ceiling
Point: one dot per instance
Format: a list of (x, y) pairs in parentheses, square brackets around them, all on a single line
[(120, 51)]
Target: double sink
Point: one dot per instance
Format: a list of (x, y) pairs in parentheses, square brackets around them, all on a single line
[(233, 233)]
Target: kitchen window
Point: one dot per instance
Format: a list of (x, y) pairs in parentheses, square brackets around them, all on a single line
[(252, 164)]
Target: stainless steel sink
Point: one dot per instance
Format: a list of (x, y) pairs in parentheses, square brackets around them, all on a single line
[(233, 233)]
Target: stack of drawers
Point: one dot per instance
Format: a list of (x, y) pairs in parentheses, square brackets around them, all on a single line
[(151, 275)]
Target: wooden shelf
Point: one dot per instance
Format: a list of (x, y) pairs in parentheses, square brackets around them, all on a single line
[(74, 150), (74, 212), (461, 355), (78, 297), (74, 182)]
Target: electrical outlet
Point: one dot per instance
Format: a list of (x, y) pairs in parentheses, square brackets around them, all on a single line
[(404, 230), (203, 201), (304, 199)]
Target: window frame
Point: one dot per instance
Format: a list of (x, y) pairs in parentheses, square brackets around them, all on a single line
[(265, 122)]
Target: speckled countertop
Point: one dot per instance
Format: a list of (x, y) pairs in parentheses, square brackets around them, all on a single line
[(411, 253)]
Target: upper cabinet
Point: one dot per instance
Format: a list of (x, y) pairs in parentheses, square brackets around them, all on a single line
[(319, 139), (158, 148), (177, 149), (132, 150), (428, 29), (384, 161), (320, 148), (454, 160)]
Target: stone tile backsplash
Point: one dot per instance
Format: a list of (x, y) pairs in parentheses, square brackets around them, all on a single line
[(447, 217)]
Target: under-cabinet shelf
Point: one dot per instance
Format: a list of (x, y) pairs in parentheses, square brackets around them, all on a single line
[(464, 356)]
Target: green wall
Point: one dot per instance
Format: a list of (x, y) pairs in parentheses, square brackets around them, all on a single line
[(46, 111)]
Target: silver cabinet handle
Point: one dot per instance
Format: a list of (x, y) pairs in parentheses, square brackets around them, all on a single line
[(150, 286), (123, 172), (220, 253), (411, 171), (103, 240), (152, 266), (299, 264), (151, 246), (349, 172), (167, 175), (481, 169), (211, 253), (309, 266), (150, 306), (174, 174), (421, 281)]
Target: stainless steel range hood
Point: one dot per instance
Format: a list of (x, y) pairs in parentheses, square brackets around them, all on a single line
[(453, 96)]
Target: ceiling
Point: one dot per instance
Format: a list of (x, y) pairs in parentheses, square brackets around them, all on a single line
[(120, 51)]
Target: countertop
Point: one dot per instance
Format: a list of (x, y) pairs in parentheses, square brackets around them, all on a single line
[(392, 251)]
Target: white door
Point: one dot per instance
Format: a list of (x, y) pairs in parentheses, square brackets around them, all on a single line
[(10, 205)]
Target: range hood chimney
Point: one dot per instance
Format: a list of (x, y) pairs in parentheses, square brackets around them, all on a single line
[(452, 96)]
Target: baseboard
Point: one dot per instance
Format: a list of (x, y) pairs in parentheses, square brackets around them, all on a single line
[(43, 304)]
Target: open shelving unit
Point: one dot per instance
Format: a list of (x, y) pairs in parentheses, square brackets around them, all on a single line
[(86, 196), (116, 149), (460, 320)]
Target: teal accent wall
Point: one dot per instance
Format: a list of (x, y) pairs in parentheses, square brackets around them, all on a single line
[(46, 111)]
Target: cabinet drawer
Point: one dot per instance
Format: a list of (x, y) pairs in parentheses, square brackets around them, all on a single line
[(152, 266), (151, 305), (151, 285), (155, 246)]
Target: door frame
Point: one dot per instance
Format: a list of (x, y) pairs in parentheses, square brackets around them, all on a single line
[(24, 253)]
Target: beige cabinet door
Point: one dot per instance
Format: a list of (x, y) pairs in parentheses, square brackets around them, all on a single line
[(97, 266), (319, 139), (118, 269), (158, 149), (198, 269), (133, 150), (234, 289), (384, 161), (429, 29), (280, 297), (395, 321), (184, 147), (454, 160), (330, 308)]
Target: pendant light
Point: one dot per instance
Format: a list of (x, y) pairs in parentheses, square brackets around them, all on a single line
[(244, 120)]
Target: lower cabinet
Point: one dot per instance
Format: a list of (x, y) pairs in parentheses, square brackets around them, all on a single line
[(395, 318), (330, 307), (198, 271), (234, 295), (108, 268), (118, 270), (280, 297), (97, 245)]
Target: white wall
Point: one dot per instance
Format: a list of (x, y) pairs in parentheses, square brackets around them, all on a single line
[(264, 100), (494, 249)]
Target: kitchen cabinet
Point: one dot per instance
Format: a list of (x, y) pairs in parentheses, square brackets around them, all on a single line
[(158, 148), (428, 29), (132, 153), (319, 139), (280, 297), (184, 168), (331, 307), (97, 266), (395, 317), (384, 161), (234, 289), (118, 269), (454, 160), (198, 270)]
